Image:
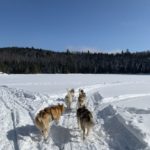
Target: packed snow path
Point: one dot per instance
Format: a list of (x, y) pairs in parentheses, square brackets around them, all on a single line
[(18, 132)]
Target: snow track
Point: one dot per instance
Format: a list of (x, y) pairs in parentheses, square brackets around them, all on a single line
[(124, 97), (122, 136)]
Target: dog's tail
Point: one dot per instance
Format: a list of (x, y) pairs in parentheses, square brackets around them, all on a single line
[(86, 122)]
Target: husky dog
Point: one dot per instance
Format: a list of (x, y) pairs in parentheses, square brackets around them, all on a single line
[(69, 98), (85, 120), (81, 98), (47, 115)]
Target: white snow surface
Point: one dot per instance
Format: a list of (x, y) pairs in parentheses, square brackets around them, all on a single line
[(120, 105)]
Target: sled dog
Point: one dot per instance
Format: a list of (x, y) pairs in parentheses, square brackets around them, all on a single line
[(85, 120), (69, 98), (81, 98), (47, 115)]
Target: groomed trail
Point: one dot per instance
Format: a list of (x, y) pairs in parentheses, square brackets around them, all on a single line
[(111, 130)]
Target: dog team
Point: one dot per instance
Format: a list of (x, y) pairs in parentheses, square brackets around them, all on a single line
[(53, 113)]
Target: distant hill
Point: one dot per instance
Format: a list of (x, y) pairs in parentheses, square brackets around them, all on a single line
[(31, 60)]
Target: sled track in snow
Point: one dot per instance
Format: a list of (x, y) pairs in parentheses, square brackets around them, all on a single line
[(125, 97), (16, 145)]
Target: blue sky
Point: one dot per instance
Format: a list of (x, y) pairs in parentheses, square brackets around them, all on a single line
[(104, 25)]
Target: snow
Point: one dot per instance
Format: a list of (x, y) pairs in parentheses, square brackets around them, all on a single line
[(119, 103)]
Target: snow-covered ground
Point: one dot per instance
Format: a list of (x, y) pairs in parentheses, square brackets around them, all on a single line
[(120, 105)]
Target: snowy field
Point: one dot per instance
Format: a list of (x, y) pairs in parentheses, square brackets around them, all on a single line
[(120, 105)]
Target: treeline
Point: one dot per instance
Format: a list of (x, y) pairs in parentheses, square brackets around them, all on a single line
[(30, 60)]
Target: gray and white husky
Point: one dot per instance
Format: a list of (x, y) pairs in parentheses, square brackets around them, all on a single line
[(85, 120), (81, 99)]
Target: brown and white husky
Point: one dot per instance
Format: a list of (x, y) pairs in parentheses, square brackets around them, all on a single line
[(47, 115)]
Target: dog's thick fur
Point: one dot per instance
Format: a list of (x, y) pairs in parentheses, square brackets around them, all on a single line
[(85, 120), (81, 98), (45, 116), (69, 98)]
